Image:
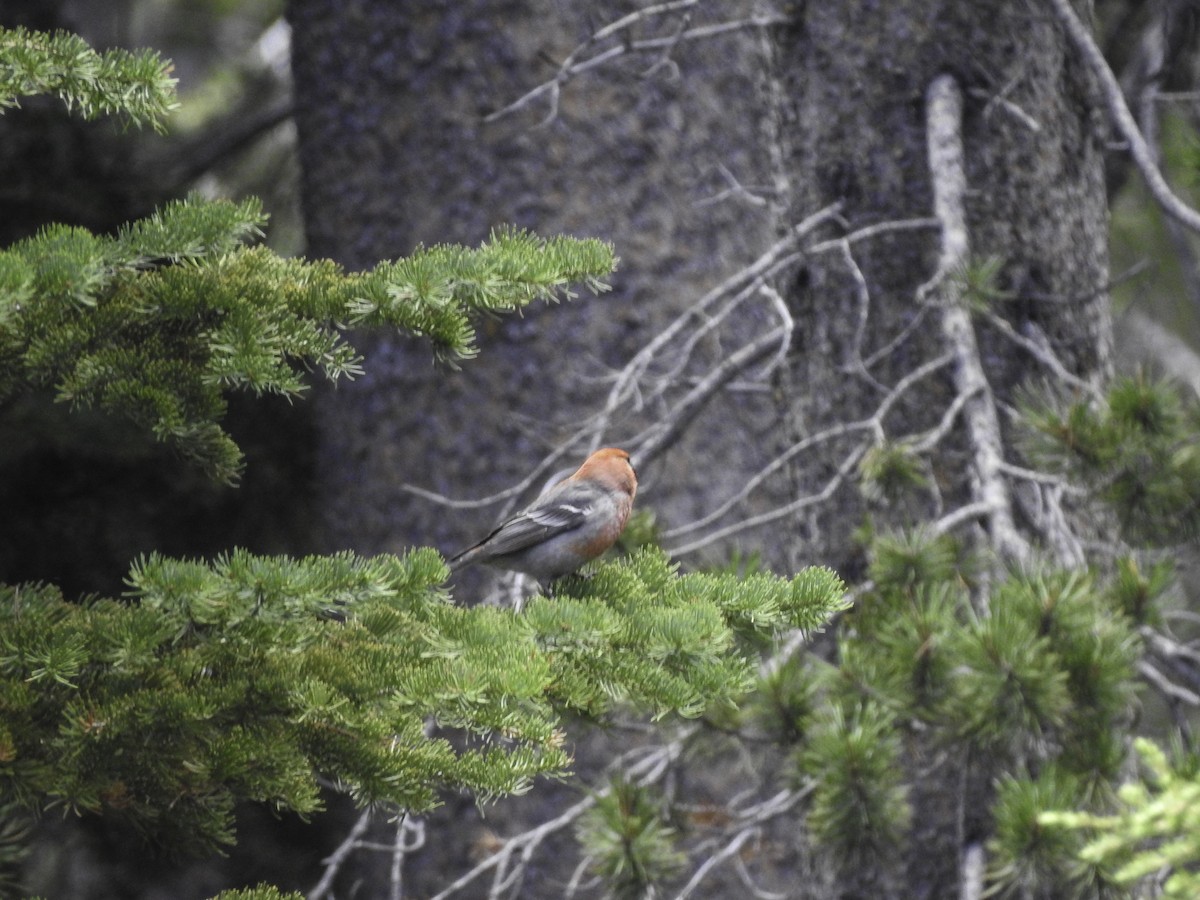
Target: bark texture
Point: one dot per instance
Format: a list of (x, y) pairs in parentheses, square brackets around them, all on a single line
[(391, 100), (854, 76)]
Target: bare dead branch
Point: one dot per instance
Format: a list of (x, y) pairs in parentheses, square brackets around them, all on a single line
[(1165, 685), (1143, 157), (1000, 100), (748, 279), (659, 437), (1042, 352), (873, 424), (410, 837), (335, 860), (973, 868), (980, 509), (831, 486), (930, 439), (735, 189), (1155, 345), (944, 125), (869, 232), (863, 294), (645, 771), (746, 826), (574, 65)]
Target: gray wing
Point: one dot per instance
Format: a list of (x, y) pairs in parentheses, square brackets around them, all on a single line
[(533, 526)]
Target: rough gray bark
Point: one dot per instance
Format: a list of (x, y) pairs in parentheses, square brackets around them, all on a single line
[(855, 77), (391, 100)]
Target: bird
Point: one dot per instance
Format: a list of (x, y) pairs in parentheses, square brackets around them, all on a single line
[(572, 523)]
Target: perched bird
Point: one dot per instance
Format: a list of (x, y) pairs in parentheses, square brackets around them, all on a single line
[(573, 522)]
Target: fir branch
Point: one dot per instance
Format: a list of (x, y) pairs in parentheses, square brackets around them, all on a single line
[(157, 323), (240, 678), (136, 85)]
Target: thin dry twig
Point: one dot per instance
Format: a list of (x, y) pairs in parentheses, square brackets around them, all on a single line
[(335, 860), (745, 827), (1165, 685), (574, 65), (410, 837), (664, 433), (645, 771), (872, 424), (747, 280), (809, 500), (1041, 351)]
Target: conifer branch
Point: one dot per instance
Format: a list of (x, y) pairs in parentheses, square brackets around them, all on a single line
[(135, 85), (338, 665), (159, 322)]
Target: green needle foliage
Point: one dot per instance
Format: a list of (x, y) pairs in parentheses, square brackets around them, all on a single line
[(1139, 451), (135, 85), (261, 892), (156, 323), (1152, 833), (249, 677), (859, 810), (631, 846), (1030, 858), (1035, 695)]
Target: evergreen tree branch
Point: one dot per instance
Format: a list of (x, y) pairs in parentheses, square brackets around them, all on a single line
[(238, 680), (135, 85), (157, 323)]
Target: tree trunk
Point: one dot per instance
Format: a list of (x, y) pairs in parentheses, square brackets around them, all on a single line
[(396, 152), (856, 77)]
